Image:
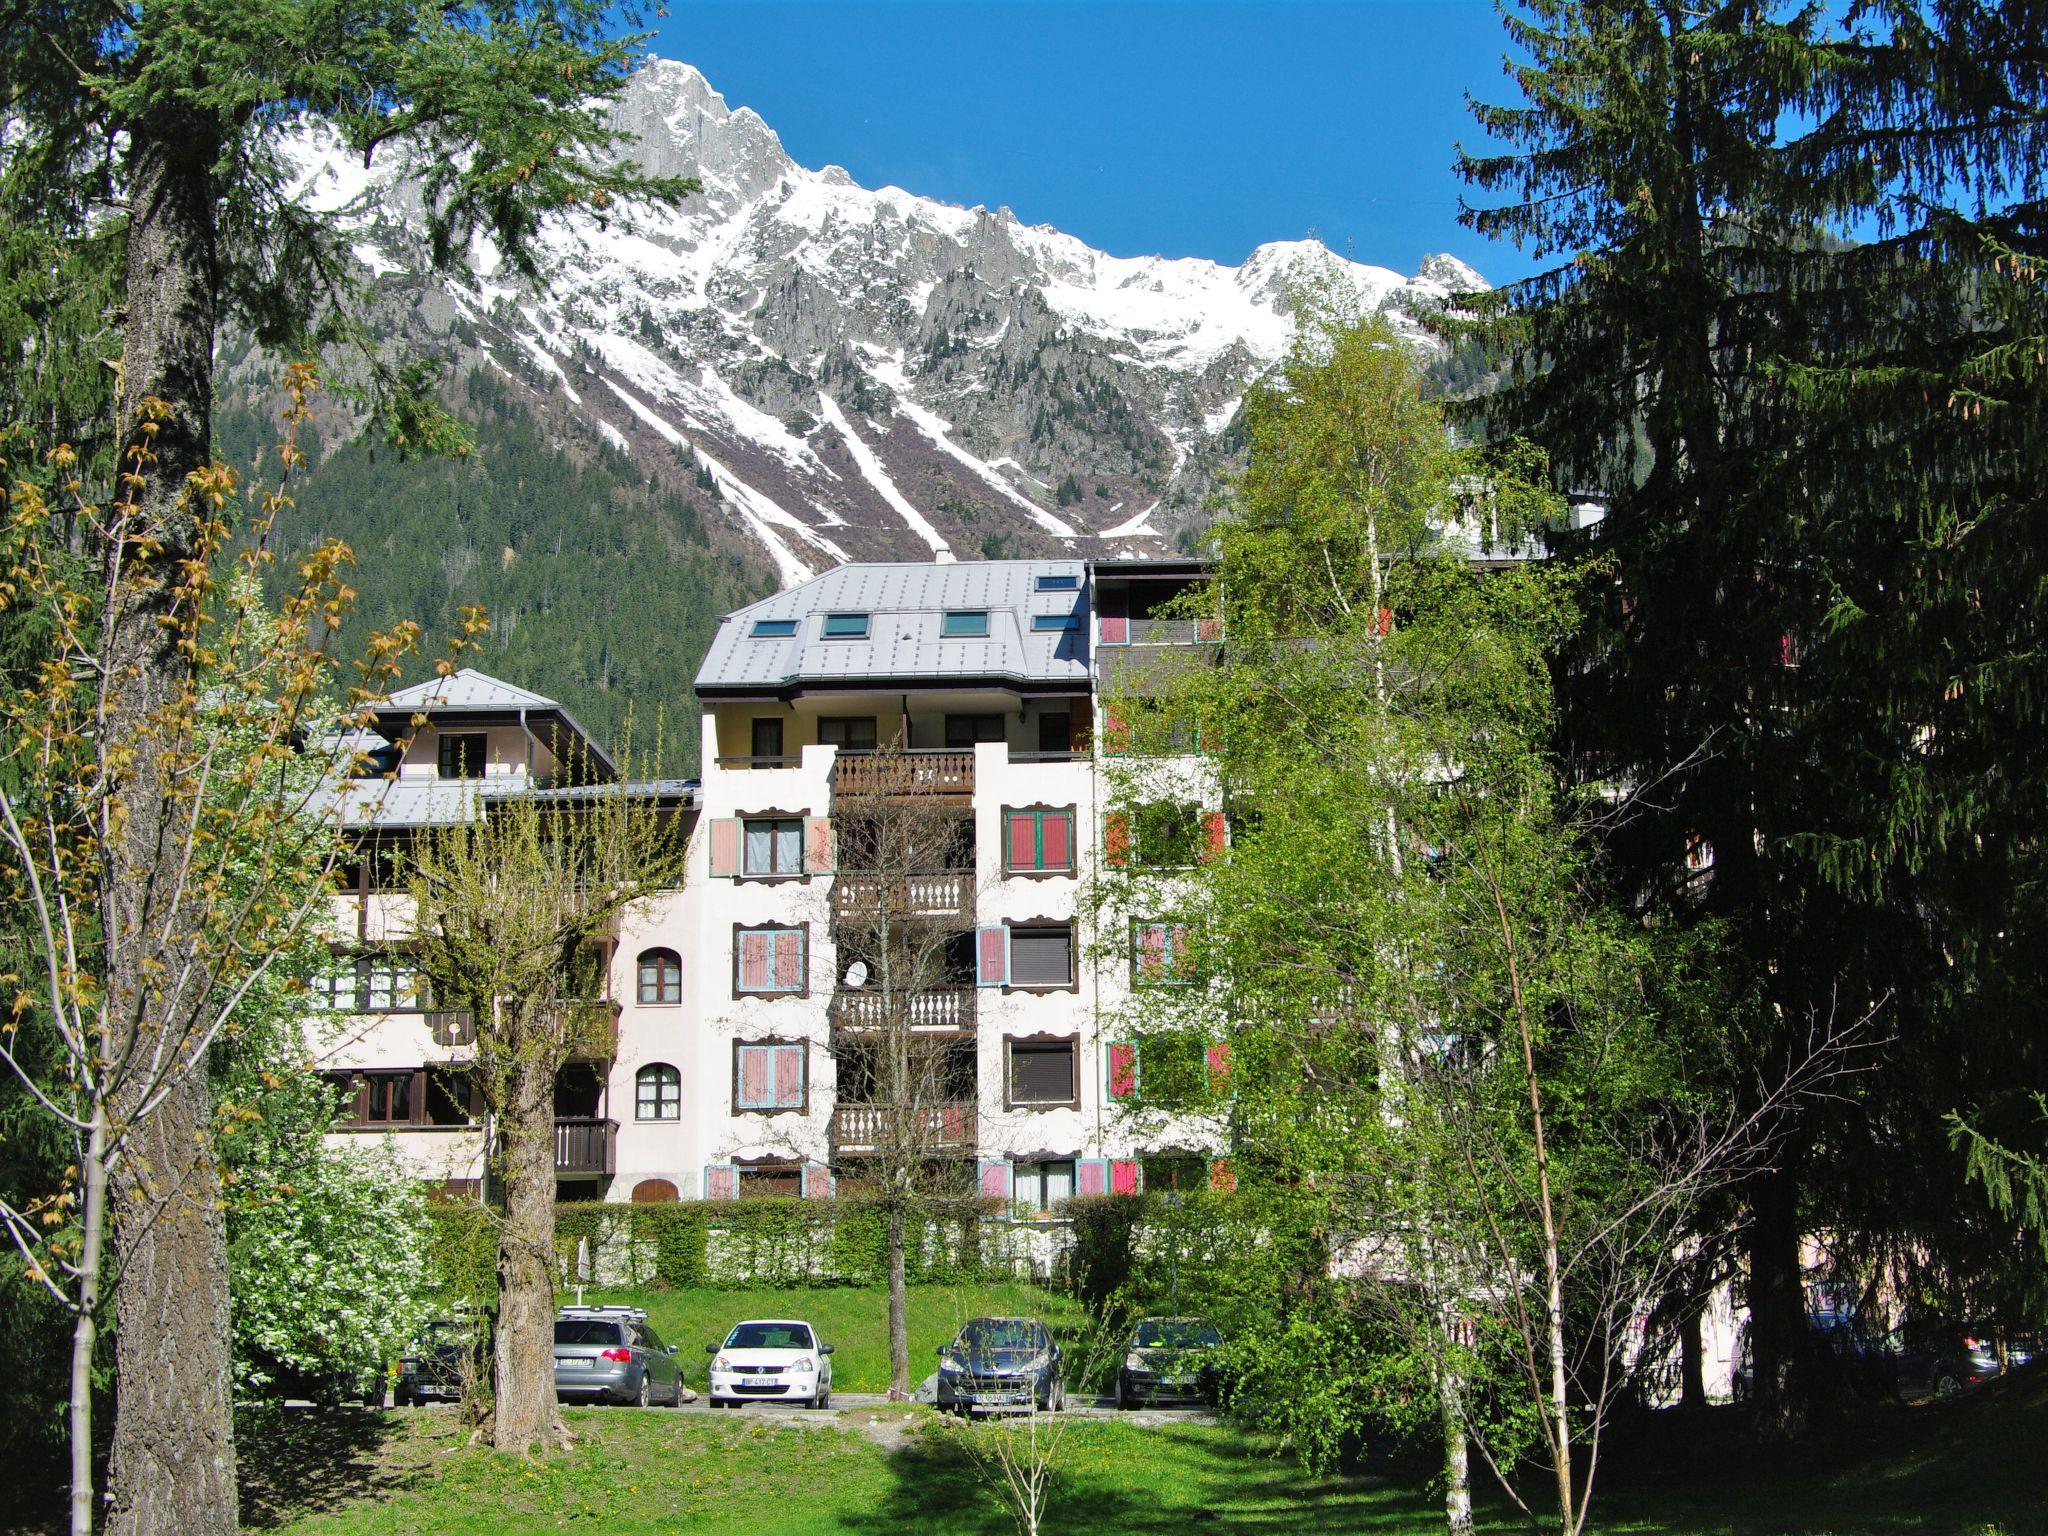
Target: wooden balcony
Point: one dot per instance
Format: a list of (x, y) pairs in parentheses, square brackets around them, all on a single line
[(936, 1010), (586, 1148), (921, 772), (862, 895), (600, 1040), (452, 1028), (937, 1129)]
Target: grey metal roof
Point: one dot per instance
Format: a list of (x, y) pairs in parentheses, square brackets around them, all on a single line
[(905, 603), (467, 689)]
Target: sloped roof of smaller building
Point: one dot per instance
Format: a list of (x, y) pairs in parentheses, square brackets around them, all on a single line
[(468, 689), (906, 605)]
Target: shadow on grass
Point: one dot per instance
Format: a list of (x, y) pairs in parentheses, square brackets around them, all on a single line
[(297, 1462)]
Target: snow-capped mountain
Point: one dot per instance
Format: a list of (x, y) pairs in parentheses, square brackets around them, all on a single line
[(854, 374)]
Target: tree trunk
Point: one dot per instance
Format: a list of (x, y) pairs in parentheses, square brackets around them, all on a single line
[(1777, 1307), (525, 1414), (173, 1464), (1457, 1460), (1692, 1372), (899, 1321), (85, 1331)]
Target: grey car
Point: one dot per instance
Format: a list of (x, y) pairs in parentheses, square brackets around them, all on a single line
[(611, 1355), (1001, 1365)]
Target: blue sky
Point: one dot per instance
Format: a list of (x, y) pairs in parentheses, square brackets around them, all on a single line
[(1182, 127)]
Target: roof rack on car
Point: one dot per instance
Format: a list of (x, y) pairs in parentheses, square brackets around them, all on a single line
[(630, 1314)]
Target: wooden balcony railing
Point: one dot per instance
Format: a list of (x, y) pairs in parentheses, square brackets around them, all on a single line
[(452, 1028), (919, 772), (600, 1040), (934, 1129), (586, 1147), (936, 1010), (859, 894)]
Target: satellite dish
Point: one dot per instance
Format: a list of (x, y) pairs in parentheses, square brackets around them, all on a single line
[(857, 975)]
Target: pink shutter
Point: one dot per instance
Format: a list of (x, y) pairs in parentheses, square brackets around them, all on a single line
[(1151, 951), (725, 846), (1023, 840), (754, 962), (789, 1077), (1208, 629), (1177, 955), (1091, 1176), (995, 1179), (753, 1077), (1216, 832), (1123, 1069), (1219, 1067), (789, 961), (1059, 840), (1116, 733), (818, 850), (817, 1181), (1221, 1174), (992, 957), (1123, 1177), (721, 1182)]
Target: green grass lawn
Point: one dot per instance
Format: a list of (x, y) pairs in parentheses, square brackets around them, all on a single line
[(1962, 1469), (853, 1319)]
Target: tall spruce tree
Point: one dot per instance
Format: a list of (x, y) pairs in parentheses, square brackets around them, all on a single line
[(179, 111)]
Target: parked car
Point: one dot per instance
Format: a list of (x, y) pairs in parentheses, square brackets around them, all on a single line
[(1169, 1360), (450, 1350), (1939, 1359), (1851, 1358), (610, 1354), (771, 1360), (1001, 1363)]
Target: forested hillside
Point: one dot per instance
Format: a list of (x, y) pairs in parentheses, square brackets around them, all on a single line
[(601, 586)]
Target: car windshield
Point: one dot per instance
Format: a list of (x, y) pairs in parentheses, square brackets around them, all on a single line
[(1002, 1333), (769, 1336), (1176, 1333), (585, 1330)]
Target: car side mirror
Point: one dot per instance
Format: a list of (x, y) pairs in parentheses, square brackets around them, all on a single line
[(673, 1348), (710, 1349), (940, 1350), (826, 1349)]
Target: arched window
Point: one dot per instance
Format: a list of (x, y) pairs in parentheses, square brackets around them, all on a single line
[(661, 976), (658, 1093)]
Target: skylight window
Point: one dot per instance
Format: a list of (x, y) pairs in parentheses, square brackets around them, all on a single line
[(1046, 623), (965, 624), (846, 626), (1059, 583), (773, 629)]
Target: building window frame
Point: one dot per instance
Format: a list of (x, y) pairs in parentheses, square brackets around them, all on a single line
[(777, 1105), (667, 978), (801, 990), (460, 758), (1040, 1044), (666, 1097), (1041, 870)]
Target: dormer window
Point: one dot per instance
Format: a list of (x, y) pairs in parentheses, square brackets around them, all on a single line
[(846, 626), (1059, 583), (772, 629), (462, 754), (965, 624)]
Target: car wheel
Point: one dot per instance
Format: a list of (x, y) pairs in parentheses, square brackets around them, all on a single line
[(823, 1399), (645, 1399), (1123, 1396), (1947, 1384), (1056, 1398)]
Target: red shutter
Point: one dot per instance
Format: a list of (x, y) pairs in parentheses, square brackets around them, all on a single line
[(789, 961), (1023, 840), (1116, 837), (992, 957), (1116, 733), (753, 1077), (1216, 833), (1221, 1174), (1123, 1178), (1116, 623), (725, 846), (789, 1077), (818, 849), (1383, 622), (754, 962), (1123, 1069), (1219, 1067), (1059, 840)]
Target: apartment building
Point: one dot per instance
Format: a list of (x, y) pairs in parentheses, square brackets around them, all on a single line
[(970, 692)]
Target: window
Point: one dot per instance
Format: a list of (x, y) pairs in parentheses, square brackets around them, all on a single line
[(1041, 1073), (846, 626), (1159, 955), (966, 730), (661, 976), (964, 624), (768, 961), (1042, 1186), (767, 736), (773, 847), (1168, 834), (462, 756), (658, 1093), (1055, 731), (849, 733), (1177, 1170), (773, 629), (1027, 955), (1049, 623), (1059, 583), (770, 1180), (370, 984), (389, 1098), (769, 1076), (1038, 840), (336, 992), (451, 1098)]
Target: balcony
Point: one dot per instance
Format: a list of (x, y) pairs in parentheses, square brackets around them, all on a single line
[(600, 1040), (452, 1028), (936, 1010), (862, 895), (760, 762), (937, 1129), (919, 772), (586, 1148), (1175, 631)]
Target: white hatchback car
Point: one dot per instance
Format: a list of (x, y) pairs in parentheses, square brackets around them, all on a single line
[(771, 1360)]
